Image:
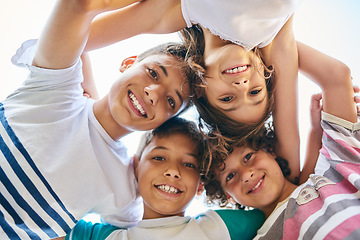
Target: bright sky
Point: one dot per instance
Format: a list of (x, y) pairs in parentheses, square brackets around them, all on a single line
[(331, 26)]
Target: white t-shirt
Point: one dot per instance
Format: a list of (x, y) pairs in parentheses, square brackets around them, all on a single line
[(57, 162), (207, 226), (249, 23)]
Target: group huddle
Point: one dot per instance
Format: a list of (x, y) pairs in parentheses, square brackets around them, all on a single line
[(62, 155)]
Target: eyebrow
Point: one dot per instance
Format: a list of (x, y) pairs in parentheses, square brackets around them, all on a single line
[(163, 68), (164, 148)]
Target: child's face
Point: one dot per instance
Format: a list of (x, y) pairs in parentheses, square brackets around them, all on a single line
[(168, 175), (253, 178), (235, 84), (148, 93)]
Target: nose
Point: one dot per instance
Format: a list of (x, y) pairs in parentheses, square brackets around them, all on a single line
[(240, 83), (247, 176), (172, 172), (154, 93)]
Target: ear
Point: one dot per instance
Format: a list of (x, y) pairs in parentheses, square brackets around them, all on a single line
[(127, 62), (200, 189), (230, 198), (136, 165)]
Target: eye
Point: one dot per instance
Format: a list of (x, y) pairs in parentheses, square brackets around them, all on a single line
[(158, 158), (152, 73), (226, 99), (171, 102), (190, 165), (255, 92), (229, 177), (247, 157)]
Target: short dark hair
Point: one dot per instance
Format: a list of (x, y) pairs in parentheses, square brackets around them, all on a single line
[(176, 125)]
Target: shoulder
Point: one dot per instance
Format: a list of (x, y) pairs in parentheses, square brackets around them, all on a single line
[(242, 223), (88, 230)]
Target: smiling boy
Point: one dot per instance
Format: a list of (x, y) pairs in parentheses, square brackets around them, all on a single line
[(61, 154), (167, 168)]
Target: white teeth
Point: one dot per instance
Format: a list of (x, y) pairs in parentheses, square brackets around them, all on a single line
[(257, 185), (168, 189), (236, 69), (136, 103)]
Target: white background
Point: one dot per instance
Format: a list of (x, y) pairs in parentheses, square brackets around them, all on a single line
[(331, 26)]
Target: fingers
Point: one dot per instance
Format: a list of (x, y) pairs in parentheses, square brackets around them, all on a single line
[(315, 103)]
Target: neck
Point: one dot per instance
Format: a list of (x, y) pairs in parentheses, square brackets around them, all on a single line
[(286, 192), (102, 113), (211, 40)]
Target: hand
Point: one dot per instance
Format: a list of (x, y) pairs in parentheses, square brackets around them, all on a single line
[(315, 111), (356, 97)]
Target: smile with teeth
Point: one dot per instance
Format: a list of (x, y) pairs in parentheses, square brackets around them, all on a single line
[(237, 69), (256, 186), (168, 189), (136, 104)]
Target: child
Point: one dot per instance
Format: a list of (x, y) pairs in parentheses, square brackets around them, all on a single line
[(167, 169), (327, 206), (238, 96), (60, 151)]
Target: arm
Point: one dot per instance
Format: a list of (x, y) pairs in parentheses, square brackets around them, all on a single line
[(282, 55), (88, 84), (333, 77), (148, 16), (314, 139), (67, 29)]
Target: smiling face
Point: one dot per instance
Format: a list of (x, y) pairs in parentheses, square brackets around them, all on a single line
[(254, 179), (168, 175), (235, 84), (148, 93)]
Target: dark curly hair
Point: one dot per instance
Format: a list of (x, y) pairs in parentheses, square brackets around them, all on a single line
[(218, 148)]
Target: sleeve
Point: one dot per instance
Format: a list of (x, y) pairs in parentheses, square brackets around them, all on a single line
[(242, 224), (341, 139), (88, 230), (46, 79)]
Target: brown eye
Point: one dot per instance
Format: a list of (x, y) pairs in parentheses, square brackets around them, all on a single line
[(229, 177), (247, 157), (171, 102), (152, 73), (226, 99), (255, 92)]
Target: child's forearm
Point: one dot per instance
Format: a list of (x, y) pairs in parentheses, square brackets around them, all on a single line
[(283, 57), (67, 29), (149, 16), (312, 153), (88, 84), (333, 77)]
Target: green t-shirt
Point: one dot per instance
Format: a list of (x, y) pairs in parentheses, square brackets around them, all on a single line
[(242, 223)]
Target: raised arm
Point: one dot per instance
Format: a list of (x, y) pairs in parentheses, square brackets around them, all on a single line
[(333, 77), (88, 84), (148, 16), (282, 55), (67, 30), (314, 138)]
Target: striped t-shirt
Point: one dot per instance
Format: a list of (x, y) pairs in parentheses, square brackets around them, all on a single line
[(327, 206)]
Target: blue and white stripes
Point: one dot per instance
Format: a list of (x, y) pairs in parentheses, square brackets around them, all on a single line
[(25, 195)]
